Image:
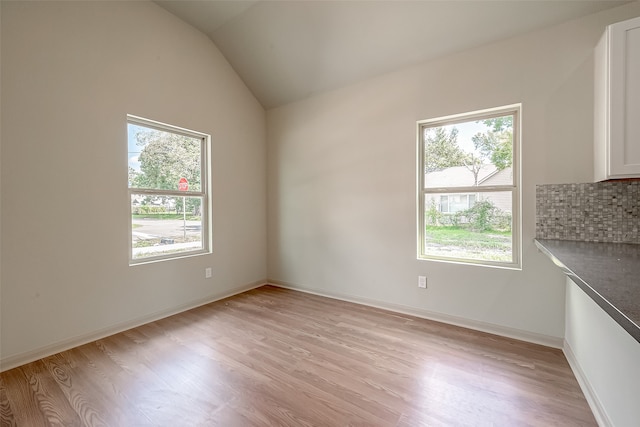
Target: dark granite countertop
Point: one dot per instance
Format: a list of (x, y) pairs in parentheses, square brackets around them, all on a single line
[(608, 272)]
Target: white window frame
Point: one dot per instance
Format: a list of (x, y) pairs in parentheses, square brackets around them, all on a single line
[(204, 192), (515, 188)]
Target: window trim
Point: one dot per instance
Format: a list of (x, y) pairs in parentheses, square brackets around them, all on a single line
[(515, 188), (204, 192)]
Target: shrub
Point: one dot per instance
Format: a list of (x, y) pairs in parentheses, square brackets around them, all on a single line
[(148, 210), (432, 215), (502, 221), (482, 215), (485, 216)]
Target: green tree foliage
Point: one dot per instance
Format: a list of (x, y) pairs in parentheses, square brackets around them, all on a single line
[(132, 176), (441, 149), (499, 124), (165, 158), (496, 145)]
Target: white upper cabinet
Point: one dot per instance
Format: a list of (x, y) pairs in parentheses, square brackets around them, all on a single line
[(617, 102)]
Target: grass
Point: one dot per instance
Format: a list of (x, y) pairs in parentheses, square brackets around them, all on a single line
[(448, 235), (458, 242)]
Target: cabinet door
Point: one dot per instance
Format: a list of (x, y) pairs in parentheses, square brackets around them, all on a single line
[(624, 81)]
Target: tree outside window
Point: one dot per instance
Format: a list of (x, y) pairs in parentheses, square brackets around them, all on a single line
[(469, 188), (167, 189)]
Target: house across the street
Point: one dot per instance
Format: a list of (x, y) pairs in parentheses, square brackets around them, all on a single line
[(461, 176)]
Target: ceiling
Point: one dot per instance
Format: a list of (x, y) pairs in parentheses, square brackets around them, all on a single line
[(288, 50)]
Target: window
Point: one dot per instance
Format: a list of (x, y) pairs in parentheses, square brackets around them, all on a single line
[(168, 191), (468, 188), (452, 203)]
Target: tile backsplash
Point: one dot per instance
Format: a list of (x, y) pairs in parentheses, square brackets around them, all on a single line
[(593, 212)]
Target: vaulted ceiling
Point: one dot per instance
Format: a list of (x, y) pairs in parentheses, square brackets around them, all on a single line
[(288, 50)]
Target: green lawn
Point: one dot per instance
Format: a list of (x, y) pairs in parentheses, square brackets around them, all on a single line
[(458, 242)]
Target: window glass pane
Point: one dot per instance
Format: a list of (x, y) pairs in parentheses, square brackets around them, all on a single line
[(444, 203), (480, 232), (467, 154), (158, 160), (162, 225), (458, 202)]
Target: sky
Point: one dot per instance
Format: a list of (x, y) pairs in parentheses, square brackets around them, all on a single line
[(466, 130), (134, 150)]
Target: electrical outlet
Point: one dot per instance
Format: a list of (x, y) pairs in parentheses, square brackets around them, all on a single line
[(422, 282), (207, 273)]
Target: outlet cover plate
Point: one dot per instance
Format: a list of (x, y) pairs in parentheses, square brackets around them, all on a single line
[(422, 282)]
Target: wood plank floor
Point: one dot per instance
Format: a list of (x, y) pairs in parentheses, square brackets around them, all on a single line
[(276, 357)]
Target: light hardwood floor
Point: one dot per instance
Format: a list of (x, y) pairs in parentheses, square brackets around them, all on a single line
[(276, 357)]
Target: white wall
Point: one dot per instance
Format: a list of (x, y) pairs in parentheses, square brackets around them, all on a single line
[(342, 184), (71, 71), (605, 359), (341, 172)]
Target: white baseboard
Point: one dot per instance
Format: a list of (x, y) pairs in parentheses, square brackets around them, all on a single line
[(33, 355), (589, 393), (546, 340)]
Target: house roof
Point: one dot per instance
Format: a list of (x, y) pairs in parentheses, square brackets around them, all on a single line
[(460, 176)]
